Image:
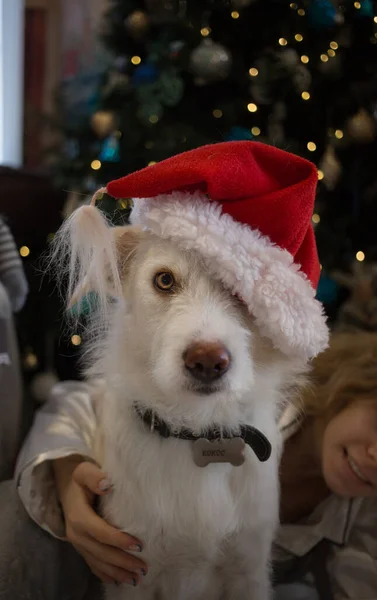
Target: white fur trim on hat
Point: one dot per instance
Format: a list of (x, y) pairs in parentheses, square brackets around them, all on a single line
[(263, 275)]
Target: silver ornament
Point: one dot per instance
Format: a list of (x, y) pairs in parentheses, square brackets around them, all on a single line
[(361, 127), (210, 62), (289, 58)]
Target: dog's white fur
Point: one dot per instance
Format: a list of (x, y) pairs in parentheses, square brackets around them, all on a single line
[(207, 532)]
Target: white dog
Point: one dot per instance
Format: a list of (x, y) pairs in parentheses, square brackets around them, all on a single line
[(210, 326), (180, 349)]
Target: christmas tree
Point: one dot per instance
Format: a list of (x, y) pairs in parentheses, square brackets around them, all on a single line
[(182, 73)]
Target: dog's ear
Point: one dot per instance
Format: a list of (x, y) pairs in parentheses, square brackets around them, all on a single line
[(125, 239)]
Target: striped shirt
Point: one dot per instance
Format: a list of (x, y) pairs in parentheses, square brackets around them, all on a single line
[(9, 255)]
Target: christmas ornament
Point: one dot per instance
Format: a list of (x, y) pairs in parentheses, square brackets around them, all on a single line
[(239, 133), (361, 127), (145, 73), (137, 24), (366, 9), (328, 290), (85, 306), (322, 14), (103, 122), (210, 62), (110, 149), (331, 168), (289, 58), (170, 88)]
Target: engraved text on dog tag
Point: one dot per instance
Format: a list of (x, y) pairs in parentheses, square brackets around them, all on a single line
[(219, 451)]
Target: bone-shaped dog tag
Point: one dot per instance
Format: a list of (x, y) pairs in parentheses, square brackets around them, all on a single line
[(219, 451)]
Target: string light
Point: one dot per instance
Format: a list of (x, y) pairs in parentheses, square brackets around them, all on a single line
[(331, 53), (334, 45), (76, 340), (205, 31), (301, 12), (153, 119), (96, 165), (305, 95), (151, 163), (293, 5), (324, 57), (149, 145), (320, 174), (311, 146), (252, 107), (338, 134), (118, 134), (24, 251), (298, 37), (253, 72), (136, 60), (304, 59), (234, 14), (360, 256), (316, 218), (255, 130), (217, 113), (320, 267), (375, 19), (283, 42), (357, 5)]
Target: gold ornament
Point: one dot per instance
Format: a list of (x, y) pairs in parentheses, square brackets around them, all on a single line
[(103, 123), (137, 23), (361, 127)]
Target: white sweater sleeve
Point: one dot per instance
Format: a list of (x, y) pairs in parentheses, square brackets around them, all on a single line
[(64, 426)]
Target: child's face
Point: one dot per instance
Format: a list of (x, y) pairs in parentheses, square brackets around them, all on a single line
[(349, 450)]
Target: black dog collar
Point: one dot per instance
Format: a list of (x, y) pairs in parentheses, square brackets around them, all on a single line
[(251, 436)]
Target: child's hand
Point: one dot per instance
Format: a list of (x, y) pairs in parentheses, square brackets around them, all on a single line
[(103, 547)]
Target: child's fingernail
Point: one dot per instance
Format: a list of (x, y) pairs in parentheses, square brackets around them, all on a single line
[(135, 548), (104, 485), (134, 582), (143, 572)]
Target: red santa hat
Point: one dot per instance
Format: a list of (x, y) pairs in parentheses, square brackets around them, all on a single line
[(246, 207)]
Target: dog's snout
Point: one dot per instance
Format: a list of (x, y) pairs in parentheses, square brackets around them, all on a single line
[(207, 361)]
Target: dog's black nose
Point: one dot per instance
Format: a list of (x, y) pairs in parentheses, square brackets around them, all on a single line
[(207, 361)]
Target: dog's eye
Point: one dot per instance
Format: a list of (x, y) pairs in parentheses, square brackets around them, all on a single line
[(164, 281)]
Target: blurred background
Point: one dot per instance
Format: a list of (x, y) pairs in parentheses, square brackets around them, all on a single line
[(91, 90)]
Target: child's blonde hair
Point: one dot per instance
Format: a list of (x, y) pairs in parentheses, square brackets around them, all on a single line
[(345, 372)]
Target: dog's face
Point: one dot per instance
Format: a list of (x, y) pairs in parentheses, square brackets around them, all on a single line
[(180, 343)]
